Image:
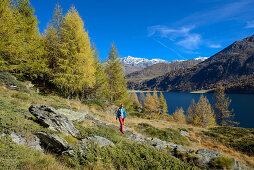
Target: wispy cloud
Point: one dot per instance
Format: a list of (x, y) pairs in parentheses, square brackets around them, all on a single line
[(167, 32), (191, 41), (250, 24), (182, 36)]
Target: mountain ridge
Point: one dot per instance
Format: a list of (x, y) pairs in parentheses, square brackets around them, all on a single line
[(230, 66)]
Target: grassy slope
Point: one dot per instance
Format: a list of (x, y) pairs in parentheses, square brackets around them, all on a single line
[(240, 139), (14, 116)]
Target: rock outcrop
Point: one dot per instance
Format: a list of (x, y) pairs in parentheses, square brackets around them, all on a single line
[(184, 133), (207, 155), (53, 142), (32, 142), (49, 117), (159, 144), (73, 115)]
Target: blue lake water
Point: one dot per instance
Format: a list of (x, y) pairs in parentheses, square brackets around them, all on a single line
[(243, 105)]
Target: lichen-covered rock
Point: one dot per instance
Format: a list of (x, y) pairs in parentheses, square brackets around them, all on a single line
[(159, 144), (73, 115), (184, 133), (32, 142), (49, 117), (207, 155), (53, 142)]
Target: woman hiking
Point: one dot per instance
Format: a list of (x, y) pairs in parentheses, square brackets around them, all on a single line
[(121, 115)]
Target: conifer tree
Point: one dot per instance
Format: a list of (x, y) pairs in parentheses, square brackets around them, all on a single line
[(201, 114), (53, 39), (163, 104), (30, 58), (101, 84), (75, 70), (179, 116), (157, 101), (190, 116), (117, 83), (142, 99), (223, 115), (134, 98), (10, 38), (149, 104)]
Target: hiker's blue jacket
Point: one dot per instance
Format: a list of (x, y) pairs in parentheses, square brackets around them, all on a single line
[(118, 114)]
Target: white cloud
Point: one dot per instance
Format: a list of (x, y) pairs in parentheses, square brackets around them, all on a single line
[(191, 41), (214, 46), (250, 24), (167, 32), (181, 36)]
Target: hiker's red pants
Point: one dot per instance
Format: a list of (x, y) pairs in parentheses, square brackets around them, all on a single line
[(121, 120)]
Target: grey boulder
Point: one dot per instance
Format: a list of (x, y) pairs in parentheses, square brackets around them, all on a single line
[(208, 155), (49, 117), (184, 133), (32, 142), (53, 142)]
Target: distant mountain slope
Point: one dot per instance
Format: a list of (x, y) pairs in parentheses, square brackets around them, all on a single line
[(230, 66), (132, 64), (159, 70)]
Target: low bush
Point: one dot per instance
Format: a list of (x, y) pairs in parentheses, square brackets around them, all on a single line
[(241, 139), (167, 134), (14, 156), (222, 162), (128, 155)]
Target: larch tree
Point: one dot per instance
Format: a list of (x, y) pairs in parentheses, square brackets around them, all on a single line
[(179, 116), (53, 40), (201, 114), (75, 67), (142, 99), (149, 104), (223, 115), (134, 98), (191, 116), (9, 38), (117, 83), (157, 101), (101, 82), (30, 62), (163, 107)]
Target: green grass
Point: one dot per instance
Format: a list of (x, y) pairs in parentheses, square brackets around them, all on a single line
[(240, 139), (222, 162), (14, 116), (125, 154), (7, 79), (167, 134), (14, 156), (128, 155)]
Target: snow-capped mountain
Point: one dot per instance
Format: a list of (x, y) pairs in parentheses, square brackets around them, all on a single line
[(201, 58), (141, 62)]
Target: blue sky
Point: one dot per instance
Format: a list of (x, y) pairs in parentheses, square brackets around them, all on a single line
[(165, 29)]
